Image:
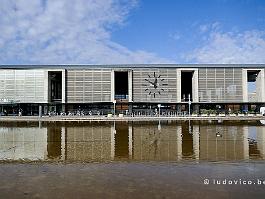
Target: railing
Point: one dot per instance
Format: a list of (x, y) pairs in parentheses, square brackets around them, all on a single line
[(143, 113), (121, 97), (56, 100)]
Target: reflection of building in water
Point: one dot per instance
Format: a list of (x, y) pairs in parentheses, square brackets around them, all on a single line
[(23, 143), (230, 144), (256, 142), (121, 141), (261, 140), (54, 142), (187, 142), (179, 141), (149, 143), (88, 142), (137, 141)]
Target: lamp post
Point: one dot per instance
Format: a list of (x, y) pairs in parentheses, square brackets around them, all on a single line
[(190, 131), (159, 106), (189, 104)]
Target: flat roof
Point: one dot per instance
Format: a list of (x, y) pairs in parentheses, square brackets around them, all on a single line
[(87, 66)]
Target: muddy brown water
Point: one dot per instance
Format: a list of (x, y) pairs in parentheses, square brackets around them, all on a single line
[(131, 159), (132, 141)]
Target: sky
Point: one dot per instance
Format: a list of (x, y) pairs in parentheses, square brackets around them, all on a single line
[(132, 32)]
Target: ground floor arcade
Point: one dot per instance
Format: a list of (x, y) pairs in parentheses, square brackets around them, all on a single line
[(129, 108)]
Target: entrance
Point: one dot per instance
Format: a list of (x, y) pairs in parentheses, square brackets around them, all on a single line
[(253, 85), (121, 86), (186, 85), (55, 86)]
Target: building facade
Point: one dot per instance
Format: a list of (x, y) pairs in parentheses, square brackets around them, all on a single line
[(63, 88)]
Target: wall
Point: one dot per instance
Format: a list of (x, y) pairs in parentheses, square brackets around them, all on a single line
[(220, 85), (23, 86), (86, 86), (140, 94)]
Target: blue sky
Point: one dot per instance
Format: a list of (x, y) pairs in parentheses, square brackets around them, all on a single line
[(136, 31), (171, 28)]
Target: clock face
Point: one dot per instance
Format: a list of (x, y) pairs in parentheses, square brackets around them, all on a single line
[(154, 84)]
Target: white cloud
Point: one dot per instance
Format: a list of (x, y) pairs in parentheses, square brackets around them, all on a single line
[(230, 47), (65, 32)]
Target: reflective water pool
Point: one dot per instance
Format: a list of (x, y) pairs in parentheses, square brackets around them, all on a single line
[(132, 141)]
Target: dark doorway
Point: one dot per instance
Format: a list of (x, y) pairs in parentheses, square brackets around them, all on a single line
[(55, 86), (186, 86), (121, 85)]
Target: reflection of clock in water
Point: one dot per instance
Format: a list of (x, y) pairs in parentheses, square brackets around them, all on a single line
[(155, 85)]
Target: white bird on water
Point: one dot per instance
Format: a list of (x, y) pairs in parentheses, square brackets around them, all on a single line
[(218, 134)]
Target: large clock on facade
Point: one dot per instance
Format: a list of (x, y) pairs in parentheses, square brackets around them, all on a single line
[(154, 84)]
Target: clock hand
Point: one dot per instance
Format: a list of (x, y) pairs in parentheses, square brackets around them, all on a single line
[(149, 81), (155, 83)]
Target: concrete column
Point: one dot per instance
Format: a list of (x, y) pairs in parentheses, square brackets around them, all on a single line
[(63, 86), (40, 110), (196, 141), (112, 85), (46, 87), (263, 99), (130, 82), (130, 141), (178, 85), (260, 89), (195, 86), (63, 108), (130, 108), (245, 85)]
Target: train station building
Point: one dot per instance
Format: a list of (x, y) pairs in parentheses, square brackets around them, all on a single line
[(144, 87)]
